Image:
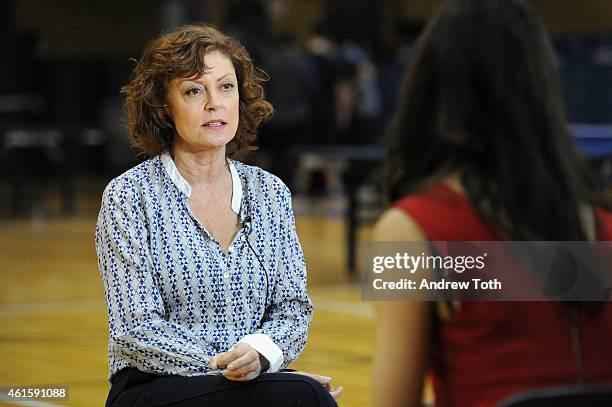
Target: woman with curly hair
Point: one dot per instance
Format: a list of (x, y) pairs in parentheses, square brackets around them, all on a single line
[(204, 275)]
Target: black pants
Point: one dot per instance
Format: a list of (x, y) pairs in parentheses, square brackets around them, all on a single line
[(131, 387)]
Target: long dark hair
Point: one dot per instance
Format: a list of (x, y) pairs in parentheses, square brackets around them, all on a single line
[(481, 97)]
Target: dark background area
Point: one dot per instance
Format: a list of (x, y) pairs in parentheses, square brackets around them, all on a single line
[(335, 68)]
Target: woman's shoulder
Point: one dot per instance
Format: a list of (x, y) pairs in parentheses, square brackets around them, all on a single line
[(135, 180), (259, 180), (442, 194), (397, 225), (442, 212)]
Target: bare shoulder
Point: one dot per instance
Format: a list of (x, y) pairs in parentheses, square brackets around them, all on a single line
[(397, 225), (402, 329)]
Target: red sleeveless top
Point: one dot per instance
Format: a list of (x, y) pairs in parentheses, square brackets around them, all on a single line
[(490, 350)]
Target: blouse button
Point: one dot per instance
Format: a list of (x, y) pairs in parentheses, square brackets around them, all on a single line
[(226, 275)]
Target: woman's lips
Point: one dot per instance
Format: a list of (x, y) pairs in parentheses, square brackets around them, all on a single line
[(214, 124)]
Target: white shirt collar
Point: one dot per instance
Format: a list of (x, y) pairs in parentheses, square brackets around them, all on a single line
[(184, 186)]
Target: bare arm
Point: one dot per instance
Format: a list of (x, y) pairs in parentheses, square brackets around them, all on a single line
[(402, 333)]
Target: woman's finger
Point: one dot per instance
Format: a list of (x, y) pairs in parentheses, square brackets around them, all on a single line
[(336, 393), (224, 358), (253, 367), (325, 381), (213, 363), (321, 379), (240, 378), (243, 360)]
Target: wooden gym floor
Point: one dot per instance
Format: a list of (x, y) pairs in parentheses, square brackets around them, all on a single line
[(53, 328)]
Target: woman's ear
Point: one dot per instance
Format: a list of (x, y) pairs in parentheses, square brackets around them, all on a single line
[(163, 97), (168, 114)]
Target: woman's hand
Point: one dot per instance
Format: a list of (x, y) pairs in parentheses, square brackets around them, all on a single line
[(240, 364), (326, 381)]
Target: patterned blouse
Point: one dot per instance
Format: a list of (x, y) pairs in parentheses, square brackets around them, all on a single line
[(174, 297)]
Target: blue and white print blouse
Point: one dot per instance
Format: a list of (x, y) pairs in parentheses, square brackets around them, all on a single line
[(174, 297)]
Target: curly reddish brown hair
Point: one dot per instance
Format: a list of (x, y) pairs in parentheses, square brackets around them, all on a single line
[(180, 54)]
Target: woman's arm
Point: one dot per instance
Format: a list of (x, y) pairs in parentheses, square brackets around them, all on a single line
[(287, 319), (139, 333), (402, 332)]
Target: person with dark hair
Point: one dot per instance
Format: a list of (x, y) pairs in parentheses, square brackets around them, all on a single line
[(480, 150), (203, 272)]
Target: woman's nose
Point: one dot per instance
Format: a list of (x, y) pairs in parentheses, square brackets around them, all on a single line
[(213, 103)]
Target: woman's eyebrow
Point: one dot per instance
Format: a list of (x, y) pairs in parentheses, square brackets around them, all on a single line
[(225, 76), (201, 82), (189, 81)]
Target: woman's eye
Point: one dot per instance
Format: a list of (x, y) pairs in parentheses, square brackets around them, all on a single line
[(227, 86), (193, 91)]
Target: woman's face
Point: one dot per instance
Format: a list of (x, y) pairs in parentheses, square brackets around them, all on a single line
[(205, 109)]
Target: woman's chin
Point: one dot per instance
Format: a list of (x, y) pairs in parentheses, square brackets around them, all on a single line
[(204, 142), (216, 137)]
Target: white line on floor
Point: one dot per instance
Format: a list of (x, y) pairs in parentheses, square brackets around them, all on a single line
[(59, 307), (357, 307), (360, 309)]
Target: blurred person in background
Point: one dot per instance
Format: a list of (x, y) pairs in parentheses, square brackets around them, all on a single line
[(294, 90), (204, 275), (391, 59), (480, 150)]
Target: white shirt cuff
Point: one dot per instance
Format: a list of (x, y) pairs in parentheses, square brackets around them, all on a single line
[(263, 344)]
